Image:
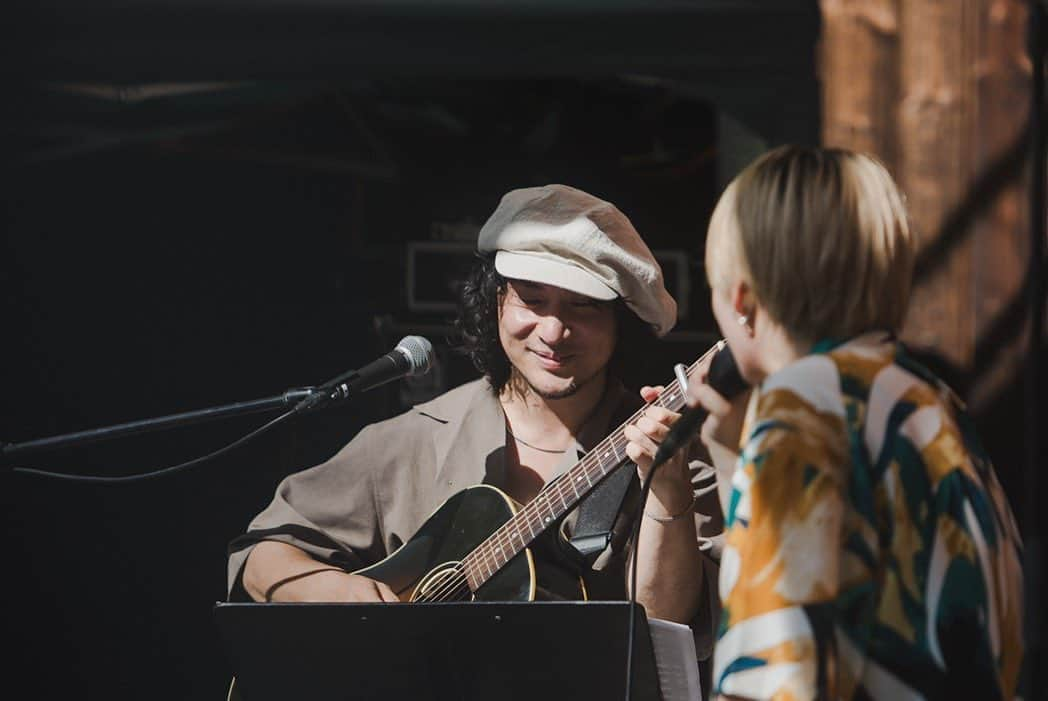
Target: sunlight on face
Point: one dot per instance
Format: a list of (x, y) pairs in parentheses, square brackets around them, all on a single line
[(557, 341)]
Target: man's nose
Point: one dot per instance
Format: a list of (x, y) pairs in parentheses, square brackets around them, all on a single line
[(553, 330)]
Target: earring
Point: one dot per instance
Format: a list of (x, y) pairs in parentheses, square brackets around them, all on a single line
[(744, 322)]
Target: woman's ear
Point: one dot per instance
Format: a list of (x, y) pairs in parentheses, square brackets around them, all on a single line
[(743, 302), (741, 297)]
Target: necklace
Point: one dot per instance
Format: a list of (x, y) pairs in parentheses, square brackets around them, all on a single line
[(534, 447)]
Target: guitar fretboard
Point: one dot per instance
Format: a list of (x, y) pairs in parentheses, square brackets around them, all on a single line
[(564, 492)]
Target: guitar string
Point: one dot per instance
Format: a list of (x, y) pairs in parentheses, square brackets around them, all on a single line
[(488, 561), (532, 513), (450, 588), (454, 587), (462, 586), (470, 561), (458, 585), (536, 515), (486, 550)]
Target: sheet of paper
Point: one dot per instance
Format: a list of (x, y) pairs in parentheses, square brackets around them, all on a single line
[(675, 658)]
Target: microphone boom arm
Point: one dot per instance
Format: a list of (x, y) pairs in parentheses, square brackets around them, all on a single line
[(412, 356), (287, 399)]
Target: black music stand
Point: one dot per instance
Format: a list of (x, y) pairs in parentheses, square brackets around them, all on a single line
[(546, 651)]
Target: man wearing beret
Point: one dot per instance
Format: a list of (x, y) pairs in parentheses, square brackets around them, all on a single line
[(563, 285)]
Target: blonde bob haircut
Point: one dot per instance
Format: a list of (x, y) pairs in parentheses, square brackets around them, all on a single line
[(822, 238)]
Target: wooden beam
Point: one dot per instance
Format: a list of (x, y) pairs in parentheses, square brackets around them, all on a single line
[(939, 91), (858, 73), (1002, 242)]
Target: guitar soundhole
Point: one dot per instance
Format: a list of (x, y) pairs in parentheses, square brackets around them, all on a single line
[(445, 582)]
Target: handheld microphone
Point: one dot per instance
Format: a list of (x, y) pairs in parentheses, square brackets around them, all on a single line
[(724, 377), (412, 356)]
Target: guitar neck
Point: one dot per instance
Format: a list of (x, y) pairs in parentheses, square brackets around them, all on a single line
[(563, 493)]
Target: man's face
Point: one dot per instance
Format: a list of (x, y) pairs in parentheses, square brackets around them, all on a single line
[(557, 341)]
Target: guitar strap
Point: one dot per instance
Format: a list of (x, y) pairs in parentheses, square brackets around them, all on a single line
[(598, 512)]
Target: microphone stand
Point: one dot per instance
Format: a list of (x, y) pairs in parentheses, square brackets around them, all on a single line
[(290, 399), (415, 355), (295, 401)]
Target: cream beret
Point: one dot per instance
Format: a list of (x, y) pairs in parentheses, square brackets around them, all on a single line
[(562, 236)]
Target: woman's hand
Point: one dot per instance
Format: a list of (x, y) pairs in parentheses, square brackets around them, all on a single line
[(721, 432), (723, 424)]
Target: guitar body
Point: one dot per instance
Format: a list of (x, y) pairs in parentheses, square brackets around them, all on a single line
[(424, 567), (453, 531)]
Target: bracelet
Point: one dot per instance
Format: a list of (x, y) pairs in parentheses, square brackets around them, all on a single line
[(281, 582), (670, 519)]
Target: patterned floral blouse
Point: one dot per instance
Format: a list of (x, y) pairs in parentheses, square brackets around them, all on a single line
[(870, 550)]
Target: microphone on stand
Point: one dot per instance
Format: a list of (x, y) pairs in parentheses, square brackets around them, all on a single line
[(724, 377), (411, 357)]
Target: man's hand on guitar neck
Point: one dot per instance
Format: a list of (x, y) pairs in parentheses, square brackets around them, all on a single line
[(671, 483), (285, 573), (669, 568)]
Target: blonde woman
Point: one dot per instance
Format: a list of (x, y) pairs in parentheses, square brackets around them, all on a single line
[(870, 550)]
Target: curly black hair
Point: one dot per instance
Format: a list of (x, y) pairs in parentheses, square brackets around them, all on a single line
[(477, 324), (477, 328)]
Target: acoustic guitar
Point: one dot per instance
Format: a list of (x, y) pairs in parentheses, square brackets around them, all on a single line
[(475, 545)]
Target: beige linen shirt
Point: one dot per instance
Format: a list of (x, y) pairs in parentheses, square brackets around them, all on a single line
[(358, 507)]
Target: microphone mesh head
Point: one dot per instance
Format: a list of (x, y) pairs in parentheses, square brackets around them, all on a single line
[(419, 352), (724, 375)]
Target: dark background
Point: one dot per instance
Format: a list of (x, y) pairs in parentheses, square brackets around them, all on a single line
[(175, 274), (204, 205)]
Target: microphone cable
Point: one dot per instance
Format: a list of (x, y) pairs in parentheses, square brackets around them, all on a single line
[(415, 351), (630, 631), (153, 474)]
